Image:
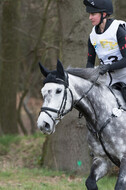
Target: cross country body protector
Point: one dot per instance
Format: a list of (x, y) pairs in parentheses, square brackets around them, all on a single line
[(107, 49)]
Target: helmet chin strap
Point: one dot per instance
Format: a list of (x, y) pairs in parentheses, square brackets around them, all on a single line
[(102, 18)]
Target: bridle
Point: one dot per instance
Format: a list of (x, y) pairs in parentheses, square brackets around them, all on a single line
[(61, 112)]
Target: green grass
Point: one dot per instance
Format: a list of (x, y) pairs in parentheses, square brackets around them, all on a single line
[(107, 183), (20, 169), (43, 179), (6, 141)]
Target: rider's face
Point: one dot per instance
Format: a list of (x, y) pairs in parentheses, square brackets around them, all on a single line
[(95, 18)]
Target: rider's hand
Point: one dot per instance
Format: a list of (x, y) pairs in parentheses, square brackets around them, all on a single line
[(104, 68)]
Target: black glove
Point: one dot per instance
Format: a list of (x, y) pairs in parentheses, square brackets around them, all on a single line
[(104, 68)]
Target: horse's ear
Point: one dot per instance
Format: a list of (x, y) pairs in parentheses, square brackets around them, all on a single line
[(43, 70), (60, 68)]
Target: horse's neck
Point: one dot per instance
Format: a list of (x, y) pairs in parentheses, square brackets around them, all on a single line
[(93, 105), (80, 86)]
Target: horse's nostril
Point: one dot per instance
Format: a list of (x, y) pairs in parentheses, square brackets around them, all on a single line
[(47, 126)]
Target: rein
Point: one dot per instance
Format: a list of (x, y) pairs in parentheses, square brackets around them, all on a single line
[(86, 94), (98, 134)]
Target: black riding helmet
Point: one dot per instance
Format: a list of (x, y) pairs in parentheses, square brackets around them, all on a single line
[(99, 6)]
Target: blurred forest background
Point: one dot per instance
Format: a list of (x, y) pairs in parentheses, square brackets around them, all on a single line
[(43, 30)]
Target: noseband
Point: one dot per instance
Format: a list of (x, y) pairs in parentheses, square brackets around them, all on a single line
[(61, 112)]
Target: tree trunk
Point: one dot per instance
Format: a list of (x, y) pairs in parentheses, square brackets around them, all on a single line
[(9, 73), (120, 9), (67, 149)]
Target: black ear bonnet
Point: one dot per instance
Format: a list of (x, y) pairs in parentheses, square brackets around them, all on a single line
[(57, 76)]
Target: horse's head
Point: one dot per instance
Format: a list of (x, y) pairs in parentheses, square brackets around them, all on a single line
[(58, 98)]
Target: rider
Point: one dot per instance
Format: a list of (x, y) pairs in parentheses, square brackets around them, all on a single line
[(107, 40)]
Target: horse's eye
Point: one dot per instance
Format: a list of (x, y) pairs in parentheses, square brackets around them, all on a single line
[(58, 91)]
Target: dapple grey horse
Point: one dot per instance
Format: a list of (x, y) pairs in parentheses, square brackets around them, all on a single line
[(103, 108)]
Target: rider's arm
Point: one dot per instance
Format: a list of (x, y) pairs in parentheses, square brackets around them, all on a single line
[(91, 55), (121, 37)]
